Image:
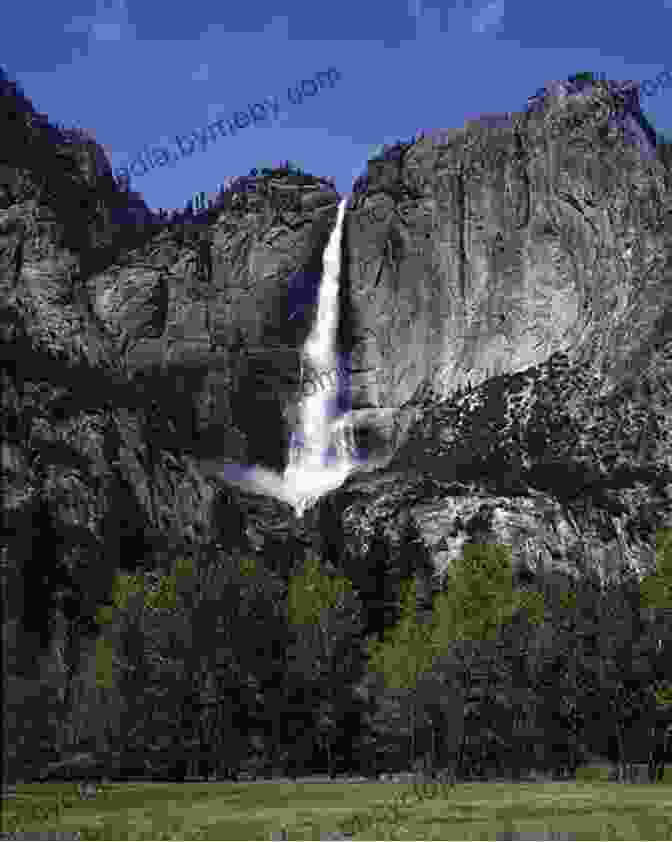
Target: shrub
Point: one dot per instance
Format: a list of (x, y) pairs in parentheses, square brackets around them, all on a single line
[(582, 77)]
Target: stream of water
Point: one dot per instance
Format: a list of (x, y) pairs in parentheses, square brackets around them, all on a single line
[(322, 449)]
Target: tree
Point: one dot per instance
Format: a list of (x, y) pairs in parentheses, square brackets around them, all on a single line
[(129, 663), (238, 638), (374, 582), (656, 602), (517, 698), (263, 664), (656, 589), (467, 618), (564, 680), (605, 650), (413, 558), (324, 608), (404, 654), (643, 658), (586, 76), (135, 669), (187, 662)]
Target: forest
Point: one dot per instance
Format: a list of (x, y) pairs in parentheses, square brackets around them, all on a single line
[(239, 667)]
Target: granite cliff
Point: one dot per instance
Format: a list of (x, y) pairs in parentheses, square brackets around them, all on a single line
[(505, 307), (526, 261)]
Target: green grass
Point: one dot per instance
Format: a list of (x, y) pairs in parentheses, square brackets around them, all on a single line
[(588, 810)]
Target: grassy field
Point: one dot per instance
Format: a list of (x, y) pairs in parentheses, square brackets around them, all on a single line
[(580, 810)]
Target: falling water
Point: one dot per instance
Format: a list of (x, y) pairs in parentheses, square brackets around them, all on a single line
[(322, 450)]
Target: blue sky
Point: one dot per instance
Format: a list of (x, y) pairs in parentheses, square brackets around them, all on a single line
[(138, 73)]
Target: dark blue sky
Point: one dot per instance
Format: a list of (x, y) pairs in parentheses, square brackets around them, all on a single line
[(138, 73)]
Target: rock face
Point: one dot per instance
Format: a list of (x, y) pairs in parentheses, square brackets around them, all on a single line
[(570, 474), (488, 249), (531, 259), (505, 307)]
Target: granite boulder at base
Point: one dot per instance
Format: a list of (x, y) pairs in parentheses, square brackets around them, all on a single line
[(510, 348)]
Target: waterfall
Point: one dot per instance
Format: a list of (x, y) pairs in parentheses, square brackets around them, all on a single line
[(322, 450)]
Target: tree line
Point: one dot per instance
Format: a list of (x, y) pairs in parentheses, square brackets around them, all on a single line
[(225, 666)]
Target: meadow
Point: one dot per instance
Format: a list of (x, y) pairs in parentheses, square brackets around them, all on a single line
[(588, 808)]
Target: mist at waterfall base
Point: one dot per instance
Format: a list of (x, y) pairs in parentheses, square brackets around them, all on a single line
[(322, 449)]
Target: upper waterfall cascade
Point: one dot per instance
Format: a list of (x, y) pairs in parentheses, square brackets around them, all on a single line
[(322, 450), (320, 455)]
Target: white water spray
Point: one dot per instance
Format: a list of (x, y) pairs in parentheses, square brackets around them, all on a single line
[(322, 449), (320, 456)]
